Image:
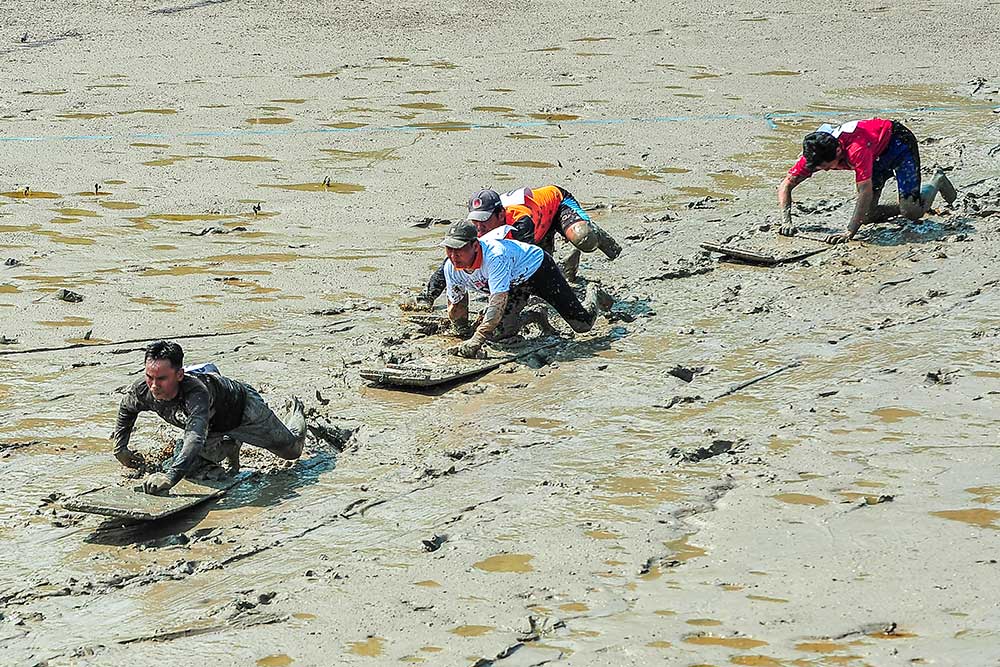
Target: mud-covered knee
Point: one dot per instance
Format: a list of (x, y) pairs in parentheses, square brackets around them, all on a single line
[(581, 326), (287, 449), (289, 453), (582, 235), (911, 209)]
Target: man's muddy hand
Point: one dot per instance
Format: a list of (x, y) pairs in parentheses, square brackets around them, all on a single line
[(130, 459), (157, 484), (470, 349), (834, 239), (787, 228), (462, 328), (417, 304)]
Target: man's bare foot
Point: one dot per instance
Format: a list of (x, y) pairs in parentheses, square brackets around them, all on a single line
[(539, 318), (597, 297)]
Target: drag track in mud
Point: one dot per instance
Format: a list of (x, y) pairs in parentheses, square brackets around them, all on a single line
[(741, 465)]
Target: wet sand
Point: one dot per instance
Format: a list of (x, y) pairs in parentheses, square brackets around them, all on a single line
[(219, 168)]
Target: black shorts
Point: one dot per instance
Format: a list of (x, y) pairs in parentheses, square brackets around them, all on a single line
[(548, 284), (568, 214)]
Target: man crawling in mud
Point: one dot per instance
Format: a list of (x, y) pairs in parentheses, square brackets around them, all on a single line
[(510, 272), (532, 216), (875, 149), (217, 414)]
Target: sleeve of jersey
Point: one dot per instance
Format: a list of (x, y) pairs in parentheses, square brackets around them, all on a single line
[(128, 412), (799, 171), (863, 161), (455, 289), (500, 273), (524, 229), (198, 406)]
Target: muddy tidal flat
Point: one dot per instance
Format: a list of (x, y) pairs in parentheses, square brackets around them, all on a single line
[(740, 465)]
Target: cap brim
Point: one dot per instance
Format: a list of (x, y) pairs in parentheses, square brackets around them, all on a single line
[(453, 243), (479, 216)]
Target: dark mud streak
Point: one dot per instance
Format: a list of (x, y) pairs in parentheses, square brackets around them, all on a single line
[(6, 447), (535, 633), (184, 8), (964, 300), (865, 630), (709, 504), (42, 42), (74, 346), (170, 635), (267, 619), (760, 378)]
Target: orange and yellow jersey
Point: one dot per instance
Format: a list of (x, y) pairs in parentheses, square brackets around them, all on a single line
[(531, 211)]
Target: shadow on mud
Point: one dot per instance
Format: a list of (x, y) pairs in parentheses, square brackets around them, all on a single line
[(900, 231), (903, 232)]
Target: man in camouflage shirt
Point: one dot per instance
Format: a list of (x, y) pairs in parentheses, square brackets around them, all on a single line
[(209, 407)]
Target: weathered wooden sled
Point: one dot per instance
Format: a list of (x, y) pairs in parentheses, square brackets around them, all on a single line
[(752, 257), (125, 502), (439, 369)]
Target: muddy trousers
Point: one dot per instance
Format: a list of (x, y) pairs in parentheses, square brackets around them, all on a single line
[(548, 284), (901, 159), (260, 427)]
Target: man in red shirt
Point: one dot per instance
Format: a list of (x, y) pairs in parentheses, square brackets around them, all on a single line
[(875, 149)]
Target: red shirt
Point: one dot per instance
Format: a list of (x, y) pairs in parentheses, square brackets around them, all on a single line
[(862, 141)]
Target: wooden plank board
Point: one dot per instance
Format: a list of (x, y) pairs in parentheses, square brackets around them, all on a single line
[(752, 257), (741, 254), (125, 502), (445, 368)]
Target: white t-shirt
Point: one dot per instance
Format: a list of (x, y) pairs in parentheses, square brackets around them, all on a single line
[(515, 197), (497, 234), (505, 263)]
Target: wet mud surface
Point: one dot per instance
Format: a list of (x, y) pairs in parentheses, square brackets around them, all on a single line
[(740, 465)]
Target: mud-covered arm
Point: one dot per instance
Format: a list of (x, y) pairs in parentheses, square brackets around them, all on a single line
[(798, 173), (128, 412), (862, 208), (198, 408), (491, 318), (785, 197)]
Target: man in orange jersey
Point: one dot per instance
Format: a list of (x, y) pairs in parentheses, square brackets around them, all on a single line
[(532, 216)]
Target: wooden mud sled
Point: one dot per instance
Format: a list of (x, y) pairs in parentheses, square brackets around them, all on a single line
[(130, 502), (760, 259), (444, 368)]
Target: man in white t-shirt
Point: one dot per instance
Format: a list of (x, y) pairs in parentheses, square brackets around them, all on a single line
[(502, 268), (534, 216)]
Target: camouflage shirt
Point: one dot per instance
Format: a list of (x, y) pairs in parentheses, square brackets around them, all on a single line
[(205, 403)]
